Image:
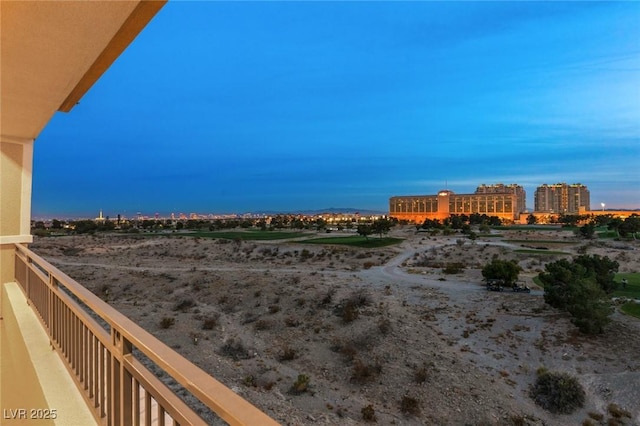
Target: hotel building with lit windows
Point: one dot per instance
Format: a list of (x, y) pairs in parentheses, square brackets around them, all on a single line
[(504, 201), (562, 198)]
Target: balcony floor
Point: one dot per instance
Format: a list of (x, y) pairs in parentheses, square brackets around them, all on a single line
[(32, 375)]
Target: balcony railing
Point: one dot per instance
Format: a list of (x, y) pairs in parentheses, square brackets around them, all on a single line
[(105, 353)]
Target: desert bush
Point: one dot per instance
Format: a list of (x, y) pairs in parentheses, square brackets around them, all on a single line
[(384, 325), (273, 309), (410, 405), (368, 413), (301, 384), (288, 353), (421, 374), (328, 297), (292, 321), (167, 322), (557, 392), (346, 349), (184, 305), (234, 349), (350, 312), (595, 416), (305, 254), (364, 372), (616, 411), (250, 381), (452, 268), (360, 298), (263, 324), (210, 322)]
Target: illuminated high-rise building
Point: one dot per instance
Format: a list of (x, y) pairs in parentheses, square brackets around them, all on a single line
[(562, 198)]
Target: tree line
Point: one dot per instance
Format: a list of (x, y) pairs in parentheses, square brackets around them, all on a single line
[(588, 223)]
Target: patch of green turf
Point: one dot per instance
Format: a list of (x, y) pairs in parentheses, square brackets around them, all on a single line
[(607, 234), (356, 241), (543, 252), (233, 235), (529, 228), (541, 241), (631, 308), (490, 235), (251, 235), (632, 289)]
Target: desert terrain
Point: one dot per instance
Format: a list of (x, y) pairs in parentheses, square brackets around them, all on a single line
[(381, 334)]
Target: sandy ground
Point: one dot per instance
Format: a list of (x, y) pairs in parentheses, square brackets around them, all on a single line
[(369, 327)]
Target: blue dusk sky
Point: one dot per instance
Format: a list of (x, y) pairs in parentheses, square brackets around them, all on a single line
[(231, 107)]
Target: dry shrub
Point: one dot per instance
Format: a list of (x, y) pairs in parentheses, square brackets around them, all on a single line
[(263, 324), (288, 353), (363, 372), (184, 305), (368, 414), (453, 268), (348, 351), (557, 392), (292, 321), (210, 322), (410, 406), (328, 297), (616, 411), (301, 384), (350, 312), (234, 349), (596, 416), (167, 322), (360, 298), (384, 325), (421, 374), (273, 309)]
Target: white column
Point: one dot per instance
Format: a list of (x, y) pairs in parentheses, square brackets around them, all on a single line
[(16, 164)]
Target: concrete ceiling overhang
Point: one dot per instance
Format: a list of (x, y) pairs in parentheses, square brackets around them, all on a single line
[(52, 52)]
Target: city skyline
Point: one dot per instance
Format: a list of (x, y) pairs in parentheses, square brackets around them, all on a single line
[(483, 188), (234, 107)]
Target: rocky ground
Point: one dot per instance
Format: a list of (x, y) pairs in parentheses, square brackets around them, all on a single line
[(381, 333)]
